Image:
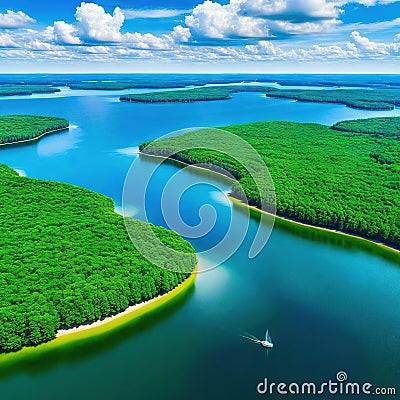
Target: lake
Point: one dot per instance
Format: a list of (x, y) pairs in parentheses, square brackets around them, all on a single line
[(331, 303)]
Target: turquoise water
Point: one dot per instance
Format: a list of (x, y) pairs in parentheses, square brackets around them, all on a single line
[(330, 305)]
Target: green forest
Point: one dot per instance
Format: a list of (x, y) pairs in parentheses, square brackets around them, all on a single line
[(386, 126), (66, 259), (348, 181), (14, 128), (192, 95), (23, 90), (377, 99)]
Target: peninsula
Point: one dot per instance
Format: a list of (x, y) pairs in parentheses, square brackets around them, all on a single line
[(23, 128), (324, 176), (66, 257)]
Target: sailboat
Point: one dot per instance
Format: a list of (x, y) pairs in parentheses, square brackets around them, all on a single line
[(267, 342)]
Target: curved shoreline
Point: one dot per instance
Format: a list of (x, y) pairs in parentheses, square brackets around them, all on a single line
[(281, 218), (101, 327), (316, 227), (36, 138)]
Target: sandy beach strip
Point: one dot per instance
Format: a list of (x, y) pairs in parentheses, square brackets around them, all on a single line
[(131, 312), (36, 138)]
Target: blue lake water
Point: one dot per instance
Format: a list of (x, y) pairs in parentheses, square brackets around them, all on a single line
[(329, 305)]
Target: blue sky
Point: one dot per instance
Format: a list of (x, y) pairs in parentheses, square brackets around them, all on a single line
[(265, 36)]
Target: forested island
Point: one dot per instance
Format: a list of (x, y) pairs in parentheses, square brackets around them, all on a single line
[(343, 180), (24, 90), (17, 128), (364, 99), (191, 95), (377, 99), (118, 85)]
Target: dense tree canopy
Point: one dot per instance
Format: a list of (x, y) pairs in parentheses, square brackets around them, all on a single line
[(66, 259), (342, 180), (377, 99), (14, 128), (192, 95), (20, 90), (386, 126)]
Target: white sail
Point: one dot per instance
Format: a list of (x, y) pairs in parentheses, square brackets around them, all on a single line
[(267, 337)]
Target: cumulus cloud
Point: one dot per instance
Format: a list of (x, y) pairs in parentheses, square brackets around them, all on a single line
[(181, 34), (65, 33), (262, 18), (216, 21), (153, 13), (375, 48), (93, 23), (12, 19), (292, 10)]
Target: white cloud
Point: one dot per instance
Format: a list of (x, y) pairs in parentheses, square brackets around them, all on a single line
[(288, 9), (154, 13), (369, 47), (12, 19), (264, 47), (262, 18), (181, 34), (97, 50), (303, 28), (216, 21), (37, 45), (7, 41), (65, 33), (95, 24), (147, 41)]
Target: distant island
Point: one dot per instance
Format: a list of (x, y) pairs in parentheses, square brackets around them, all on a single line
[(191, 95), (25, 90), (384, 96), (66, 257), (22, 128), (363, 99), (118, 85), (345, 177), (376, 99)]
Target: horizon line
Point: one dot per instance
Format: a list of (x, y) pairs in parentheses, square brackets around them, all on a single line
[(199, 73)]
